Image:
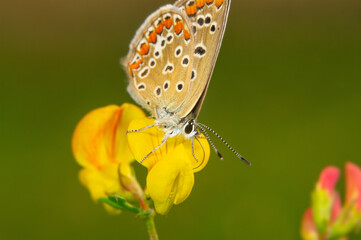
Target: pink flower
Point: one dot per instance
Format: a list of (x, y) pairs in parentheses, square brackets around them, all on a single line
[(327, 218), (328, 179), (353, 185), (308, 227)]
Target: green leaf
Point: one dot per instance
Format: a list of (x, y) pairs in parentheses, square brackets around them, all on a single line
[(111, 203), (122, 204)]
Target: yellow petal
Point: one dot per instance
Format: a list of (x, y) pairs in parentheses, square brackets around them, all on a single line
[(99, 137), (121, 149), (101, 183), (143, 142), (170, 181), (129, 182), (201, 151)]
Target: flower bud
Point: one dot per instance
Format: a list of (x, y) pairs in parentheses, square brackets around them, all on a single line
[(323, 197)]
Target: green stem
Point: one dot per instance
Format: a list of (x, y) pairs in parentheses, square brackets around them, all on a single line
[(152, 231)]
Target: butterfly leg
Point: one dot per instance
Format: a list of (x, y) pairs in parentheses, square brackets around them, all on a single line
[(155, 149), (193, 150), (138, 130)]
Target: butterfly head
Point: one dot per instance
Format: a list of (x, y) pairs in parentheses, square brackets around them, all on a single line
[(173, 125)]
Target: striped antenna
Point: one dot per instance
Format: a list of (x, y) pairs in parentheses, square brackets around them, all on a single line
[(202, 126), (210, 141)]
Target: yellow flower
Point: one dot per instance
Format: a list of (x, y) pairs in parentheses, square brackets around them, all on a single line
[(170, 169), (100, 146)]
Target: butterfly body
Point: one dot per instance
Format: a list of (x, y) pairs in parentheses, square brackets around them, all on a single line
[(170, 63), (171, 60)]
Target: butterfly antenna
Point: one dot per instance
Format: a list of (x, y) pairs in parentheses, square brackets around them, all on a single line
[(202, 126), (210, 141)]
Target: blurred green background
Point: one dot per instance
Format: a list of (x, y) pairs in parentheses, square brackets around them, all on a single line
[(286, 93)]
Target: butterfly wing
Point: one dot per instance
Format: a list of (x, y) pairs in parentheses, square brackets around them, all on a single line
[(159, 58), (208, 19)]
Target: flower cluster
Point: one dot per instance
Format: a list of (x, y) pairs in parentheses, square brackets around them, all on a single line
[(104, 150), (327, 218)]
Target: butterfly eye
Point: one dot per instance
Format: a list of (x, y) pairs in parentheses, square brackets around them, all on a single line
[(189, 127)]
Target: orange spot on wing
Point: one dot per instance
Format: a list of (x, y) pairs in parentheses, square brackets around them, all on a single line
[(209, 1), (134, 66), (152, 37), (187, 34), (219, 2), (144, 49), (168, 23), (159, 28), (200, 3), (191, 10), (178, 27)]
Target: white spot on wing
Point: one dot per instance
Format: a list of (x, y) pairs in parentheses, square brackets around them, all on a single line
[(167, 15), (180, 86), (141, 86), (157, 53), (166, 85), (178, 51), (208, 19), (144, 72), (213, 28), (176, 17), (150, 30), (194, 28), (200, 50), (194, 75), (157, 22), (141, 43), (169, 67), (185, 61), (158, 91), (152, 63), (170, 38), (136, 58), (200, 21)]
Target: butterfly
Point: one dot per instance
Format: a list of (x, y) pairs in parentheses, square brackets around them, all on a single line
[(170, 64)]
